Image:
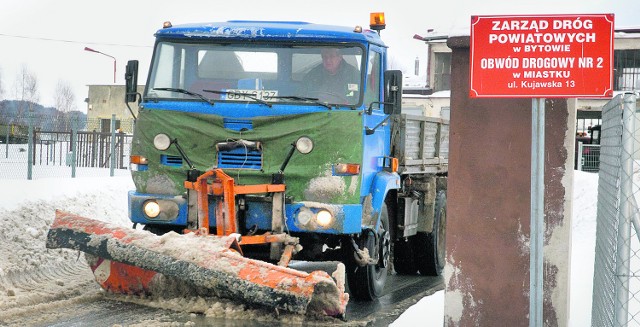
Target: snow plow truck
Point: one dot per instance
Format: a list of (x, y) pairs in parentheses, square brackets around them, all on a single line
[(243, 165)]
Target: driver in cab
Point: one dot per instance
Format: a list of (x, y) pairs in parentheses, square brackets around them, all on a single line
[(334, 81)]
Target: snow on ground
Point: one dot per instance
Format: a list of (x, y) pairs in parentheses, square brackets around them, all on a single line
[(29, 273), (32, 276)]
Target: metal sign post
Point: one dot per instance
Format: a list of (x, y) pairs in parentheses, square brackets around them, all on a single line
[(536, 245)]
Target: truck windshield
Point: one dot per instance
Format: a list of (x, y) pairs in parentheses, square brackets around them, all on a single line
[(277, 74)]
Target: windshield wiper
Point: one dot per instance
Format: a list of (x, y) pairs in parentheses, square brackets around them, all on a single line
[(294, 97), (183, 91), (242, 95)]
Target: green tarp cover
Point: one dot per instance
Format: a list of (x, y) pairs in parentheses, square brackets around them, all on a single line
[(337, 137)]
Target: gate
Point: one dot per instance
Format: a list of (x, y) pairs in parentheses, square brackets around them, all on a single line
[(93, 149)]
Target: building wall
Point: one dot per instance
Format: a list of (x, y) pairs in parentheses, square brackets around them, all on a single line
[(426, 105), (626, 42)]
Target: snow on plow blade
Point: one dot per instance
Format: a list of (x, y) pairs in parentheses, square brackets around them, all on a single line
[(206, 262)]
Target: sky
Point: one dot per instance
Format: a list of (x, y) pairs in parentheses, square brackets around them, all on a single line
[(48, 37), (26, 212)]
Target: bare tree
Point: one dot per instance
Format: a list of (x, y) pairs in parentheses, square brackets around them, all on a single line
[(1, 86), (64, 97), (65, 103), (26, 88), (3, 118)]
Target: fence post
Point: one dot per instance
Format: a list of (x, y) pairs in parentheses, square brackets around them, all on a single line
[(6, 141), (30, 148), (112, 150), (94, 149), (121, 152), (623, 255), (579, 155), (74, 139)]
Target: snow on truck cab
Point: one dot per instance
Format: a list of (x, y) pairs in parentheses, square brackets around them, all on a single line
[(245, 131)]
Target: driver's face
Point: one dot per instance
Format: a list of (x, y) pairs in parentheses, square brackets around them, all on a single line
[(331, 59)]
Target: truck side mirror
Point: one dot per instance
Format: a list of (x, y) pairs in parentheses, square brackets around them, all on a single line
[(392, 92), (131, 78)]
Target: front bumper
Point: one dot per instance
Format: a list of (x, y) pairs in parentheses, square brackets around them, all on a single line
[(299, 216)]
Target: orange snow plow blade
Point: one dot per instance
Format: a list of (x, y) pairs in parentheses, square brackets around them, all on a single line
[(128, 260)]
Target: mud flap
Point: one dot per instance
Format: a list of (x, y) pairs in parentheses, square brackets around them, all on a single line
[(205, 262)]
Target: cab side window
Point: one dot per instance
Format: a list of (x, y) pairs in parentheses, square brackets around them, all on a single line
[(372, 89)]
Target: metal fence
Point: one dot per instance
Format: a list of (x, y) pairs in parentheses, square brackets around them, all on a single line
[(616, 282), (588, 157), (73, 147)]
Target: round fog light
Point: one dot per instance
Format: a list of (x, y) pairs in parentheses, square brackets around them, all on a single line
[(324, 218), (151, 209), (304, 216)]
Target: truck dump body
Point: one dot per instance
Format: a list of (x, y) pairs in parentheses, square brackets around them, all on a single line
[(422, 144)]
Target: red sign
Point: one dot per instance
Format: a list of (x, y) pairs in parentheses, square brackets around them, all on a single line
[(542, 56)]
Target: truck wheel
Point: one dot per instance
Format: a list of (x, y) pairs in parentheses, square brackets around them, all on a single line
[(430, 247), (367, 283), (403, 257)]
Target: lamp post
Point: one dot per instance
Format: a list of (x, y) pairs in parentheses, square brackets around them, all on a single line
[(104, 54)]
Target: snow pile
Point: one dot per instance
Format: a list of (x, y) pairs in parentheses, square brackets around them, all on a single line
[(30, 274)]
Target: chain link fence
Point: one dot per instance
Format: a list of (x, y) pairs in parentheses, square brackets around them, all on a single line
[(616, 281), (63, 146)]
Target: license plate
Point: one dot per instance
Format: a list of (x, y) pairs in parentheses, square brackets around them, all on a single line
[(246, 95)]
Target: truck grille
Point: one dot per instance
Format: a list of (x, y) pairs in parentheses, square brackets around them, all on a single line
[(241, 158), (173, 161), (238, 124)]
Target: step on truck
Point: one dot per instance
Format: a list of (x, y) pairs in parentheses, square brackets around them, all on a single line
[(250, 152)]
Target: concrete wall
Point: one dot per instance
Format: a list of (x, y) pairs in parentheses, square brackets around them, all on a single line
[(487, 270)]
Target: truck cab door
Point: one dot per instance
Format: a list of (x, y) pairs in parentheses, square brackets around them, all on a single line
[(377, 134)]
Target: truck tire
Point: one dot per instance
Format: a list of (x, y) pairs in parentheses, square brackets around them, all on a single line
[(430, 247), (367, 282), (403, 257)]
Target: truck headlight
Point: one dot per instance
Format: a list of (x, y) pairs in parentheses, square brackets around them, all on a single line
[(324, 218), (161, 142), (304, 145), (151, 208)]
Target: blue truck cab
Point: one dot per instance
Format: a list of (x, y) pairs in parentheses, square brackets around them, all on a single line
[(259, 101)]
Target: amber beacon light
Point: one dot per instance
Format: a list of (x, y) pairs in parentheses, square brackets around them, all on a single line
[(376, 21)]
